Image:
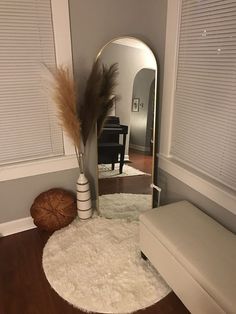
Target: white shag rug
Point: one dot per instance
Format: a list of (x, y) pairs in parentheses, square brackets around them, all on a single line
[(104, 171), (96, 266), (124, 205)]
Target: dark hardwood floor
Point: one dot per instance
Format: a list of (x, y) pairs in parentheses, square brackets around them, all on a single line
[(134, 184), (24, 288), (140, 160)]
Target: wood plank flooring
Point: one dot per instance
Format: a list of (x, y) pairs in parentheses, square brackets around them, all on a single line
[(23, 286), (134, 184), (140, 161)]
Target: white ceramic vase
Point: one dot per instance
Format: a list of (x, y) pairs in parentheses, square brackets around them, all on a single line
[(84, 203)]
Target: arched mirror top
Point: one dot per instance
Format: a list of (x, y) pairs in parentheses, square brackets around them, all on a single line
[(145, 54)]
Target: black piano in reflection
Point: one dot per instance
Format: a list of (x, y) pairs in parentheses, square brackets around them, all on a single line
[(111, 148)]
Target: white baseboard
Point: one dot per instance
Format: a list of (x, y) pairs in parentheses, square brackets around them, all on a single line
[(126, 158), (15, 226)]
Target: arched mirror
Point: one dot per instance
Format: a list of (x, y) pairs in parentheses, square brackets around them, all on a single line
[(126, 144)]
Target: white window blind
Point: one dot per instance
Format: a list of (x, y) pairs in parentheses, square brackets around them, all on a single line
[(204, 123), (28, 125)]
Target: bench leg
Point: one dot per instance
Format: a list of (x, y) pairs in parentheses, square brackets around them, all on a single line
[(143, 256)]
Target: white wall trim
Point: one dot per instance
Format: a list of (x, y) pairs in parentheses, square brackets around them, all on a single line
[(63, 48), (126, 158), (207, 187), (37, 167), (170, 71), (15, 226)]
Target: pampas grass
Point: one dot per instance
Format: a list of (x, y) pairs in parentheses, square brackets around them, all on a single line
[(89, 110), (78, 120), (65, 97), (109, 82), (98, 98)]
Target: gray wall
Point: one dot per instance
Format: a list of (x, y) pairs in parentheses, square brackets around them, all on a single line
[(140, 129), (174, 190), (18, 195), (94, 23), (150, 118), (130, 61)]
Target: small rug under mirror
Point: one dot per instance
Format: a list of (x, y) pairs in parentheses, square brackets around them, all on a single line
[(124, 205), (96, 266), (104, 171)]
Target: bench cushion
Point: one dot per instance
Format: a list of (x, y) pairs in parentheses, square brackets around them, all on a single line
[(205, 248)]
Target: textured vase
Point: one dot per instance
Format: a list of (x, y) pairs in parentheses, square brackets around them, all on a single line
[(84, 203)]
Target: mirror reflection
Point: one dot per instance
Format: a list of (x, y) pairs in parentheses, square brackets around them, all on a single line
[(125, 146)]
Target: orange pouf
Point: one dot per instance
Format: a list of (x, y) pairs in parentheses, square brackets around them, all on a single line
[(54, 209)]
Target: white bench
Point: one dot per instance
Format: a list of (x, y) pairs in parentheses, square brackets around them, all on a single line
[(194, 254)]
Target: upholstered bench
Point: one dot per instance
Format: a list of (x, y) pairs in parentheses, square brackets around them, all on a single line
[(194, 254)]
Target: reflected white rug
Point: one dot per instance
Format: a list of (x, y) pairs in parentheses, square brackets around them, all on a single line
[(96, 266), (124, 205), (104, 171)]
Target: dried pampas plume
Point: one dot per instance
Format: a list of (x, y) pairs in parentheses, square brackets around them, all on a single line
[(79, 121), (65, 97), (91, 106), (109, 82), (98, 98)]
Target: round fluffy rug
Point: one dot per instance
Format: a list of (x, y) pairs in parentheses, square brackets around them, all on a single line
[(96, 266), (124, 205)]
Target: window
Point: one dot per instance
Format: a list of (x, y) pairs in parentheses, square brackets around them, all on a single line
[(204, 121), (28, 126), (198, 118)]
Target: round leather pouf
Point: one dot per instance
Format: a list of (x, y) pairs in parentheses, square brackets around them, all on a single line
[(54, 209)]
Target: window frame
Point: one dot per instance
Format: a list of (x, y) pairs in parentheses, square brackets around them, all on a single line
[(213, 190), (63, 50)]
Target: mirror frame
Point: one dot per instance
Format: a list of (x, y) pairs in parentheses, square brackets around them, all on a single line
[(154, 133)]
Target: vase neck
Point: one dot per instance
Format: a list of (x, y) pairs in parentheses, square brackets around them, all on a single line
[(81, 162)]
